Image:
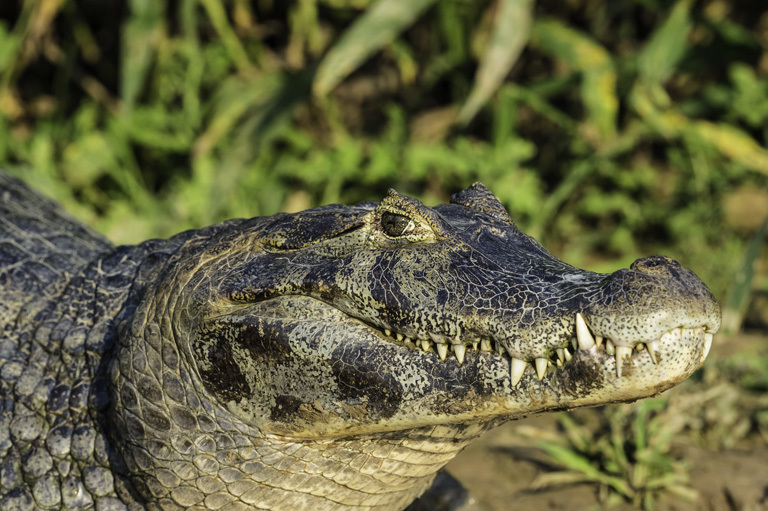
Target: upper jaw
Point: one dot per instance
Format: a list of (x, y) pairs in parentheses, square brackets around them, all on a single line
[(657, 315)]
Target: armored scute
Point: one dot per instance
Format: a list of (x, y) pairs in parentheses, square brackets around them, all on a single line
[(331, 359)]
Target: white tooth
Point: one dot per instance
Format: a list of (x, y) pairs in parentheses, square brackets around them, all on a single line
[(436, 338), (707, 345), (388, 332), (622, 353), (639, 346), (425, 345), (499, 348), (560, 354), (399, 337), (599, 340), (459, 350), (653, 347), (485, 345), (574, 343), (442, 350), (567, 354), (559, 363), (475, 343), (582, 333), (517, 370), (541, 367), (609, 347), (409, 342)]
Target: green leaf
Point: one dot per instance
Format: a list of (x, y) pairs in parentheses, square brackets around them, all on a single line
[(141, 37), (372, 31), (232, 101), (510, 34), (731, 142), (736, 303), (235, 50), (667, 45), (158, 128), (598, 84), (87, 159), (750, 100), (575, 178), (9, 47), (576, 462)]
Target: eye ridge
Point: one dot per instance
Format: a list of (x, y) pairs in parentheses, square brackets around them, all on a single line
[(395, 225)]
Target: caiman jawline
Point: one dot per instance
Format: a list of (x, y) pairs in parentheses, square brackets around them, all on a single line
[(583, 340)]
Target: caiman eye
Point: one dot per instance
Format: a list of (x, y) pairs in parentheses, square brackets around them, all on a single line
[(395, 225)]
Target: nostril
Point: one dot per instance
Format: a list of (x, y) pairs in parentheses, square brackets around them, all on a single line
[(655, 265)]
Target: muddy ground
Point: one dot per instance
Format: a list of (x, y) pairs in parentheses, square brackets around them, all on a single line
[(500, 468)]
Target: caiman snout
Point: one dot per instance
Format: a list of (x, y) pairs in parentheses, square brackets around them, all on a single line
[(655, 295)]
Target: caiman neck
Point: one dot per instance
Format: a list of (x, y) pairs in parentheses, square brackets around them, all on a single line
[(386, 471), (269, 472)]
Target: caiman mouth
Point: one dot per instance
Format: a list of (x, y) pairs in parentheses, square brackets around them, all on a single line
[(258, 359), (583, 339)]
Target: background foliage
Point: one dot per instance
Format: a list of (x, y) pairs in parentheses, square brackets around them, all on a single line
[(608, 129)]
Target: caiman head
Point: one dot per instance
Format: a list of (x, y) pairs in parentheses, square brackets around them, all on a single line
[(339, 357), (385, 316)]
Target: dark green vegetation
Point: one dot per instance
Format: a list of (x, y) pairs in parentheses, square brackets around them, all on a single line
[(622, 129)]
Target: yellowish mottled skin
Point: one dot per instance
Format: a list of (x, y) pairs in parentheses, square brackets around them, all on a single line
[(331, 359)]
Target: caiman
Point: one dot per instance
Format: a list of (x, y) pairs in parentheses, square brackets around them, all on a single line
[(331, 359)]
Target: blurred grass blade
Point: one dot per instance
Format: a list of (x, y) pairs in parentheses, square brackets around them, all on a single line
[(736, 302), (9, 47), (264, 119), (141, 37), (727, 139), (575, 178), (733, 143), (598, 85), (661, 54), (561, 478), (573, 461), (578, 435), (510, 34), (234, 98), (373, 30), (155, 127), (235, 50)]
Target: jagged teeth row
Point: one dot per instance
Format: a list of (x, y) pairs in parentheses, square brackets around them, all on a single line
[(459, 350), (583, 340)]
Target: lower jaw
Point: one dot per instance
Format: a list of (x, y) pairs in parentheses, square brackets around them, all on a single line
[(435, 392)]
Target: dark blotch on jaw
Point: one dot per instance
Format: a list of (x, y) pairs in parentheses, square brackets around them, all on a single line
[(582, 377), (370, 382), (286, 409), (223, 376)]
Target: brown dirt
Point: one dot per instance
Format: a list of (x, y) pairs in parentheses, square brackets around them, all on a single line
[(499, 469)]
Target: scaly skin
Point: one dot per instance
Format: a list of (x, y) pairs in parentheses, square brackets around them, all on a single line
[(332, 359)]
